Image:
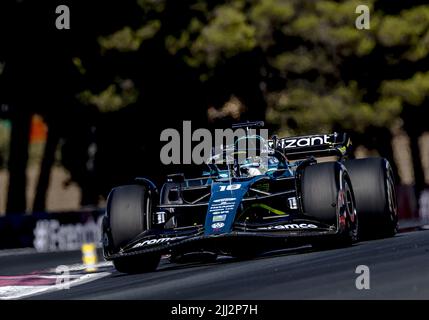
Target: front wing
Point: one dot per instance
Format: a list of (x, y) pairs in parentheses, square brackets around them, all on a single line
[(193, 239)]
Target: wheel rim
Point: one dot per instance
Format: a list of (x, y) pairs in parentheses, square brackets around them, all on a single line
[(350, 208)]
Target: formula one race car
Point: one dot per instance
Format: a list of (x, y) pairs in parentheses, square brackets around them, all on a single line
[(278, 198)]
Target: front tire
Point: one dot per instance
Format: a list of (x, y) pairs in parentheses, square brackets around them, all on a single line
[(128, 212), (327, 196)]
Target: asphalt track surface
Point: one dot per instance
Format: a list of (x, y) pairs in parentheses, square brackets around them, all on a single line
[(399, 269)]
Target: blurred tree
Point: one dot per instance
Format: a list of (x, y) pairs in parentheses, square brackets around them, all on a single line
[(302, 64), (146, 65), (337, 77), (21, 84), (39, 77)]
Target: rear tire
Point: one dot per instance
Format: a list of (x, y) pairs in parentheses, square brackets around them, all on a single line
[(327, 196), (374, 188), (128, 212)]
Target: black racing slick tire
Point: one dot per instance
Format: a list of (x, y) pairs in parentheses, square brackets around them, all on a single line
[(327, 196), (376, 204), (128, 212)]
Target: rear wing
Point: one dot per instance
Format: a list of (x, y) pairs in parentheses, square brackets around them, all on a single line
[(319, 145)]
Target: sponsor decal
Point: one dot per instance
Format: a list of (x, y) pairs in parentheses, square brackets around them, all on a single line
[(304, 142), (293, 203), (222, 207), (224, 200), (219, 218), (153, 241), (291, 226), (218, 225)]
